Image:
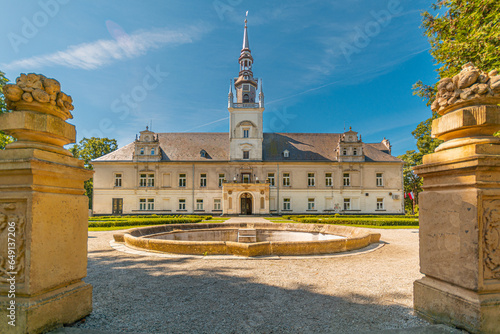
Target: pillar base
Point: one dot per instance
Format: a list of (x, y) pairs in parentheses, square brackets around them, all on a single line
[(50, 310), (442, 302)]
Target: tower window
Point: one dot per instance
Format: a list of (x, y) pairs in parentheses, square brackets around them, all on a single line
[(142, 151), (152, 151), (246, 98), (246, 88)]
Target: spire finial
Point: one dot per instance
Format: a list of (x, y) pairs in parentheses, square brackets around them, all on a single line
[(246, 16)]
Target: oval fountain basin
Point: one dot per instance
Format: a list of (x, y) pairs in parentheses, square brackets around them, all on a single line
[(233, 235), (248, 239)]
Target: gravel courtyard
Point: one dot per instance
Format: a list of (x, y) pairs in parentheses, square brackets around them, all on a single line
[(350, 294)]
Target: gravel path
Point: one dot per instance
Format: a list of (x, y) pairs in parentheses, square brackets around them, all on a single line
[(360, 293)]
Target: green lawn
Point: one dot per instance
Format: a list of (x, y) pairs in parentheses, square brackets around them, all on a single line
[(283, 220), (113, 228)]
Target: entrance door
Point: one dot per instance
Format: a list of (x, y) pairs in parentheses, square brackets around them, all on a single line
[(117, 206), (246, 204)]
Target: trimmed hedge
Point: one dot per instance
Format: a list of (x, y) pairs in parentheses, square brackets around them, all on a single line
[(337, 216), (362, 221), (148, 217), (132, 222)]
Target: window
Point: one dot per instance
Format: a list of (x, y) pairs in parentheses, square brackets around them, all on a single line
[(286, 204), (151, 204), (146, 204), (118, 180), (262, 203), (347, 180), (222, 177), (151, 180), (152, 151), (311, 179), (246, 87), (347, 204), (142, 151), (270, 177), (286, 154), (199, 204), (182, 180), (203, 180), (354, 152), (142, 204), (203, 153), (246, 133), (380, 180), (286, 179), (245, 178), (246, 98), (344, 152), (328, 180), (143, 180), (217, 204), (246, 155), (182, 204), (380, 204), (311, 204)]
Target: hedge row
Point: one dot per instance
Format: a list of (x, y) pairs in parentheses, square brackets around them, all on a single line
[(362, 221), (132, 222), (148, 217), (297, 217)]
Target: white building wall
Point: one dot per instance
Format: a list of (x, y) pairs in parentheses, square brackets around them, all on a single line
[(167, 192)]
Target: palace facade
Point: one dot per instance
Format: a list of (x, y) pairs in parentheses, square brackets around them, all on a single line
[(247, 171)]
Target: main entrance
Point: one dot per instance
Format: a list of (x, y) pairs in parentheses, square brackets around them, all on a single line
[(246, 204), (117, 206)]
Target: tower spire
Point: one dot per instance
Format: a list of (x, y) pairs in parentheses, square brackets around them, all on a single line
[(246, 45)]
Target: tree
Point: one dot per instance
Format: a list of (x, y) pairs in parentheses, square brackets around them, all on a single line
[(466, 32), (412, 182), (4, 139), (88, 150)]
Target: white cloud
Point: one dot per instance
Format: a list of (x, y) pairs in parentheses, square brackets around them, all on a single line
[(93, 55)]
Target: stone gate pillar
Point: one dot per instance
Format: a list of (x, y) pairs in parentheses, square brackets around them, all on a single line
[(43, 212), (460, 207)]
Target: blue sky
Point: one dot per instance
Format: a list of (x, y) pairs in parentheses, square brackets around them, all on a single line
[(325, 64)]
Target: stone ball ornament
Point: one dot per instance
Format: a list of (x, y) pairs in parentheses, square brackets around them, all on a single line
[(470, 87), (36, 92)]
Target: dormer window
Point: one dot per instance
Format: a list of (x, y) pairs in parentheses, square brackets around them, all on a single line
[(286, 154), (142, 151), (203, 153)]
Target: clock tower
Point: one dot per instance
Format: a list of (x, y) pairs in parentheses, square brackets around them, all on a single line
[(246, 109)]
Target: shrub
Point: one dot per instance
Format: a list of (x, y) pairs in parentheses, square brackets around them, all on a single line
[(148, 217), (131, 222), (362, 221)]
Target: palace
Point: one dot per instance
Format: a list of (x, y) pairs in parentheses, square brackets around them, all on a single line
[(247, 171)]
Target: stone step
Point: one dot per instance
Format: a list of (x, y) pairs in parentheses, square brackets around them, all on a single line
[(247, 235)]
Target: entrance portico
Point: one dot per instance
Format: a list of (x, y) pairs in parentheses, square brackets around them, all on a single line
[(245, 198)]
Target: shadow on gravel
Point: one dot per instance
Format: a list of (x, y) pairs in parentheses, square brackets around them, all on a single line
[(156, 295)]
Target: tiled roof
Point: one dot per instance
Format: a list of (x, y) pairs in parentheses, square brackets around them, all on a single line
[(302, 147)]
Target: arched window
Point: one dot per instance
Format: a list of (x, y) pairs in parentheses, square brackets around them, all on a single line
[(152, 151), (246, 98)]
